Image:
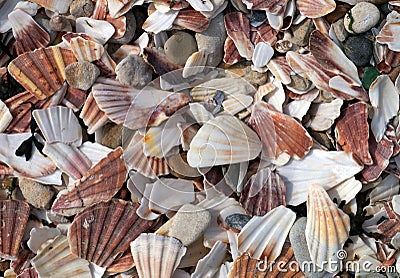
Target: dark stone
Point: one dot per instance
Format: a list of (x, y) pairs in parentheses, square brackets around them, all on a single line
[(130, 29), (359, 50), (237, 221)]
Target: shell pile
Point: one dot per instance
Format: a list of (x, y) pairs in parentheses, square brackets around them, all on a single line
[(199, 138)]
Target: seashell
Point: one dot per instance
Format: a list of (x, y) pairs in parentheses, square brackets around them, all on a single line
[(267, 122), (191, 20), (392, 58), (29, 273), (206, 6), (385, 190), (233, 104), (352, 132), (271, 6), (113, 98), (238, 29), (123, 264), (23, 261), (95, 151), (31, 74), (54, 5), (69, 159), (315, 9), (5, 171), (264, 33), (55, 258), (209, 265), (126, 50), (388, 34), (159, 255), (236, 141), (263, 52), (100, 183), (385, 102), (381, 153), (159, 21), (119, 25), (263, 192), (323, 115), (263, 237), (27, 33), (231, 55), (103, 232), (327, 227), (180, 168), (5, 116), (280, 69), (38, 236), (338, 167), (136, 159), (74, 99), (195, 64), (91, 115), (100, 30), (86, 50), (14, 216), (100, 10), (158, 62), (246, 267), (50, 118), (187, 133), (117, 8)]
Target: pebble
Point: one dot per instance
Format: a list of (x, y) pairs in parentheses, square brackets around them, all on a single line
[(81, 75), (212, 40), (60, 23), (44, 22), (359, 50), (81, 8), (237, 221), (38, 195), (243, 69), (299, 83), (301, 32), (112, 136), (179, 47), (189, 223), (133, 71), (130, 29), (361, 18), (340, 31)]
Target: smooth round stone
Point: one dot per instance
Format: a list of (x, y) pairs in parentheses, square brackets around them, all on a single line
[(36, 194), (81, 75), (359, 50), (299, 83), (133, 71), (340, 31), (361, 18), (81, 8), (179, 47), (237, 221)]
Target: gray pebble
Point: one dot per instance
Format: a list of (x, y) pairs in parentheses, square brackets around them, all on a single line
[(237, 221), (299, 83), (81, 8), (81, 75), (212, 40), (112, 136), (189, 223), (340, 31), (179, 47), (38, 195), (133, 71), (359, 50), (301, 32), (361, 18), (130, 29)]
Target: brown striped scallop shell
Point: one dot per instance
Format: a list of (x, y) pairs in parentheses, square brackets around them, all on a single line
[(91, 115)]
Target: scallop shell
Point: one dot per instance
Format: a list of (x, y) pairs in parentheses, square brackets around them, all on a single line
[(14, 216), (263, 237), (100, 30), (233, 104), (159, 21), (103, 232), (201, 6), (323, 115), (264, 33), (100, 10), (100, 183), (123, 264), (52, 122), (55, 258), (158, 62), (113, 98), (5, 171), (191, 20), (136, 159), (159, 255), (246, 267), (338, 167), (352, 131), (388, 35), (385, 190), (263, 192), (74, 99), (223, 140), (315, 9), (5, 116), (61, 7), (38, 236), (27, 33), (271, 6), (68, 159), (385, 103), (263, 52), (267, 122), (231, 55), (29, 70), (117, 8), (209, 265), (280, 69), (23, 261), (238, 29), (86, 50), (327, 227), (92, 116), (29, 273), (195, 64)]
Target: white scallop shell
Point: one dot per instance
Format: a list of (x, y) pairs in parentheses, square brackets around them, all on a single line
[(5, 116), (100, 30), (385, 190), (86, 50), (209, 265), (323, 115), (159, 21), (201, 6), (195, 63), (345, 191), (233, 104), (40, 236), (263, 52), (57, 6)]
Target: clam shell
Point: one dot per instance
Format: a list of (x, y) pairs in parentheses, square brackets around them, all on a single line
[(195, 63), (27, 33), (385, 103), (86, 50), (100, 183), (388, 35), (233, 104), (28, 70), (68, 159), (113, 98), (338, 167), (191, 20), (263, 192), (61, 7), (323, 115), (55, 259), (327, 227), (263, 52), (103, 232), (223, 140), (280, 69), (14, 216), (267, 122), (136, 159), (5, 116), (231, 53), (209, 265), (159, 21), (238, 29), (263, 237), (92, 116), (315, 9), (52, 122), (100, 30), (352, 132), (159, 255)]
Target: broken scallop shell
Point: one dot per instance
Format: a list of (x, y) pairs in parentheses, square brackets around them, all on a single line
[(5, 116), (191, 20), (61, 7), (92, 116), (238, 29), (86, 50), (315, 9)]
